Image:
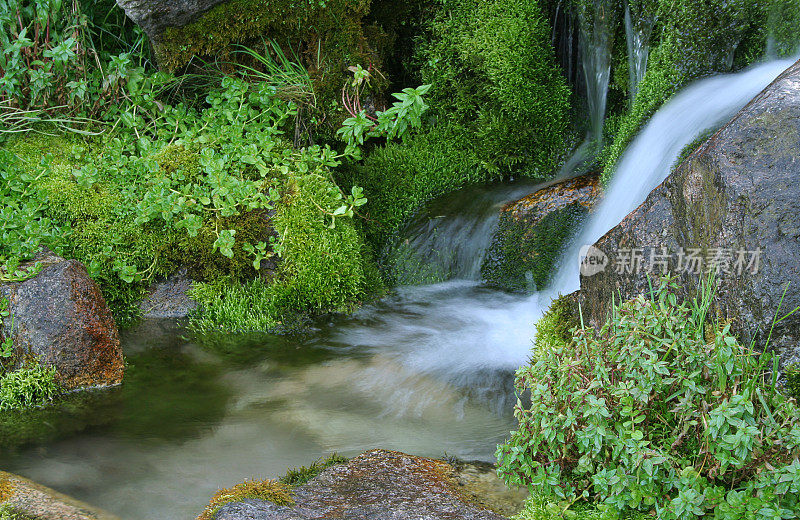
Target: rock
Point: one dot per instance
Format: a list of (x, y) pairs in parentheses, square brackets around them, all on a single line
[(376, 485), (734, 200), (41, 503), (60, 318), (154, 16), (169, 298), (533, 230)]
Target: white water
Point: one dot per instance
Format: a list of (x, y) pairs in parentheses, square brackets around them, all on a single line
[(704, 105), (638, 40), (457, 329)]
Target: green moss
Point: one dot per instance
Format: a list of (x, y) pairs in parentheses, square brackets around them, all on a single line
[(399, 178), (28, 387), (557, 324), (322, 269), (792, 374), (9, 513), (521, 257), (301, 475), (270, 490), (493, 72)]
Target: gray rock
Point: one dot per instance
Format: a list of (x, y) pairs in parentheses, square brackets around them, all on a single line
[(738, 194), (376, 485), (60, 318), (154, 16), (169, 298), (36, 501)]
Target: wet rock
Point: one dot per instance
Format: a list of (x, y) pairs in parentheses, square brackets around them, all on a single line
[(377, 485), (733, 205), (41, 503), (60, 318), (154, 16), (533, 231), (169, 298)]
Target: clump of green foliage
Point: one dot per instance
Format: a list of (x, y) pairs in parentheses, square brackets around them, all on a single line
[(400, 178), (494, 75), (271, 490), (64, 61), (28, 387), (301, 475), (659, 410)]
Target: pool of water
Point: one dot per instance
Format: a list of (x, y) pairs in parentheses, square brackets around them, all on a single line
[(419, 372)]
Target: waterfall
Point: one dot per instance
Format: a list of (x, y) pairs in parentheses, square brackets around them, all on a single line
[(704, 105), (596, 31), (596, 22), (637, 34)]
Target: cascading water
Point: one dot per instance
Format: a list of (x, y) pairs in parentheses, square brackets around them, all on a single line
[(596, 24), (704, 105), (637, 33)]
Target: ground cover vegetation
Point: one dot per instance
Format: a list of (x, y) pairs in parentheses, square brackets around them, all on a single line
[(660, 412)]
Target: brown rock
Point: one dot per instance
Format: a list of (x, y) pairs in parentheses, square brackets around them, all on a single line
[(60, 318), (533, 231)]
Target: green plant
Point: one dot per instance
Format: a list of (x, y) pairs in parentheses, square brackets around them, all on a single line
[(28, 387), (394, 123), (7, 343), (301, 475), (647, 414)]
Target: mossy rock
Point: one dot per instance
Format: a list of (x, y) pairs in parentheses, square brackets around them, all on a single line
[(533, 232)]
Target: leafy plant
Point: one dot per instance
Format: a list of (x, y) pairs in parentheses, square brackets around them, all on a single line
[(646, 414), (394, 123)]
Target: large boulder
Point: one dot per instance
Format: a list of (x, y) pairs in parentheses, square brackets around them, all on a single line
[(154, 16), (733, 205), (378, 484), (32, 500), (59, 318), (533, 230)]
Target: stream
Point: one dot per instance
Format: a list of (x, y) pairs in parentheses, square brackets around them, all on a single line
[(427, 370)]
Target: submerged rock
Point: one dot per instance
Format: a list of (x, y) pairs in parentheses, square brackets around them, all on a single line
[(533, 230), (41, 503), (59, 318), (376, 485), (732, 206)]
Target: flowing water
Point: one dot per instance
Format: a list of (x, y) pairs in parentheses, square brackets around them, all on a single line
[(426, 370), (637, 34)]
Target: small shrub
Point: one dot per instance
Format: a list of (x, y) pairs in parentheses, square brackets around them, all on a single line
[(28, 387), (271, 490), (645, 414)]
